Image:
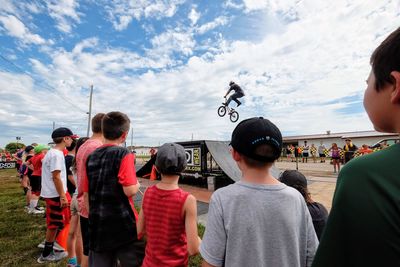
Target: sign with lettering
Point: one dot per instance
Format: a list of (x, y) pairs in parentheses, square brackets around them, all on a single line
[(7, 165), (193, 157)]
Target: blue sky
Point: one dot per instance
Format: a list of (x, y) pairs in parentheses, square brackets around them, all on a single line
[(167, 64)]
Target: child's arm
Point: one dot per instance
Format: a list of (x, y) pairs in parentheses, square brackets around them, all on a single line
[(131, 190), (193, 240), (140, 227), (127, 176), (59, 187), (29, 165)]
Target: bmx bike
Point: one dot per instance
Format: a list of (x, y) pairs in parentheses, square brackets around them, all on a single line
[(233, 114)]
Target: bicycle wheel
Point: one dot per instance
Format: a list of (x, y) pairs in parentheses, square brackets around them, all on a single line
[(234, 116), (221, 111)]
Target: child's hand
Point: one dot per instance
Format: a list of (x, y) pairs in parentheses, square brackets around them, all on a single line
[(63, 202)]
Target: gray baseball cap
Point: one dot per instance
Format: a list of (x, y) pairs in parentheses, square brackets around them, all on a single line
[(171, 159)]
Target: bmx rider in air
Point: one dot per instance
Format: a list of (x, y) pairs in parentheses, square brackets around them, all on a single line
[(237, 94)]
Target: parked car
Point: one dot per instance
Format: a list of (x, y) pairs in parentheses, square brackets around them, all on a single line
[(387, 142)]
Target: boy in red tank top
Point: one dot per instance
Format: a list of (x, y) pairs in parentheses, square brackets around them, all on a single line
[(169, 215)]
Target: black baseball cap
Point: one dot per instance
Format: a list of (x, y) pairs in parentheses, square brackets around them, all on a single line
[(171, 159), (293, 178), (63, 132), (29, 148), (251, 133)]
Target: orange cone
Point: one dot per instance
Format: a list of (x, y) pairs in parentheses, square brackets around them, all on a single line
[(62, 236), (153, 175)]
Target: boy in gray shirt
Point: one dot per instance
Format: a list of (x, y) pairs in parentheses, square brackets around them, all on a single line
[(258, 221)]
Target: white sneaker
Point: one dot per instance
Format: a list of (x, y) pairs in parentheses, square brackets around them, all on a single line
[(35, 211), (57, 247), (54, 256)]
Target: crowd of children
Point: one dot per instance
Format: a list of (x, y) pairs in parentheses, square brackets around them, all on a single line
[(257, 221)]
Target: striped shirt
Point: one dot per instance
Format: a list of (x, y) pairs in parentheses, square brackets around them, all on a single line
[(165, 227)]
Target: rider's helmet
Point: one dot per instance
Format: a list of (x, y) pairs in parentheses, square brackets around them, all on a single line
[(231, 83)]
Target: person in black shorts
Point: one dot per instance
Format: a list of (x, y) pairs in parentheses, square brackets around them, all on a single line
[(238, 94)]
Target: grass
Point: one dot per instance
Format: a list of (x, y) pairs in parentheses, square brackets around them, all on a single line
[(20, 233)]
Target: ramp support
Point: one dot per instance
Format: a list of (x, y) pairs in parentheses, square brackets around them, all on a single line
[(211, 183)]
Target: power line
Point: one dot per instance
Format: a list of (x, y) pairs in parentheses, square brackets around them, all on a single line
[(48, 88)]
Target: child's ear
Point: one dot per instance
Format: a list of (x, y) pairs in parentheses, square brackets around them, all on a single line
[(124, 135), (235, 155), (395, 95)]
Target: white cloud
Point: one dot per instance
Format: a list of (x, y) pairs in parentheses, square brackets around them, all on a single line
[(219, 21), (16, 28), (194, 16), (123, 22), (306, 78), (173, 41), (255, 4), (233, 4), (65, 13), (122, 12)]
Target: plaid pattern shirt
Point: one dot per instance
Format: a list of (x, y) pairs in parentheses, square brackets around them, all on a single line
[(111, 218)]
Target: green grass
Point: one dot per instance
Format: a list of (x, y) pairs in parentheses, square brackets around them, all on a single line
[(20, 233)]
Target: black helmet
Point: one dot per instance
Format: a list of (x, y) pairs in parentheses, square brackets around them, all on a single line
[(231, 82)]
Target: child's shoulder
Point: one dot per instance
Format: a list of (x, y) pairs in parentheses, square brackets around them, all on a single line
[(111, 149)]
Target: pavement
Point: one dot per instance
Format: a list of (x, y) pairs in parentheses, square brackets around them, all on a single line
[(320, 176)]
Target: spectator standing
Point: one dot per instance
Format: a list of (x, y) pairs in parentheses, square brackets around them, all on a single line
[(349, 149), (110, 184), (74, 243), (363, 228), (35, 164), (313, 151), (258, 221), (306, 149), (318, 212), (69, 158), (168, 216), (54, 191), (26, 174), (321, 151), (95, 141), (364, 150), (335, 150)]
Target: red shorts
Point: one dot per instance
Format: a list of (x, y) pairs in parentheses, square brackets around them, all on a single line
[(57, 217)]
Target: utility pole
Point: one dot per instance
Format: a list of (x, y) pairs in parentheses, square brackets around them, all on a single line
[(54, 125), (90, 110)]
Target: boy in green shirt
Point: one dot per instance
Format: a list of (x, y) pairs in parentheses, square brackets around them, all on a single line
[(363, 228)]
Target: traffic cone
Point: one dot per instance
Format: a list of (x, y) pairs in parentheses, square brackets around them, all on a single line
[(153, 175), (62, 236)]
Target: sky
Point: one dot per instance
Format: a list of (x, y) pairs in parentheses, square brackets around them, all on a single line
[(167, 64)]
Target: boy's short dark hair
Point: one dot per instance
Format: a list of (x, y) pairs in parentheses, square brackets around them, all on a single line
[(96, 122), (114, 124), (258, 140), (264, 150), (58, 140), (385, 59)]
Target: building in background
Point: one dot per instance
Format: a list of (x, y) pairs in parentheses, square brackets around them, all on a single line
[(358, 138)]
